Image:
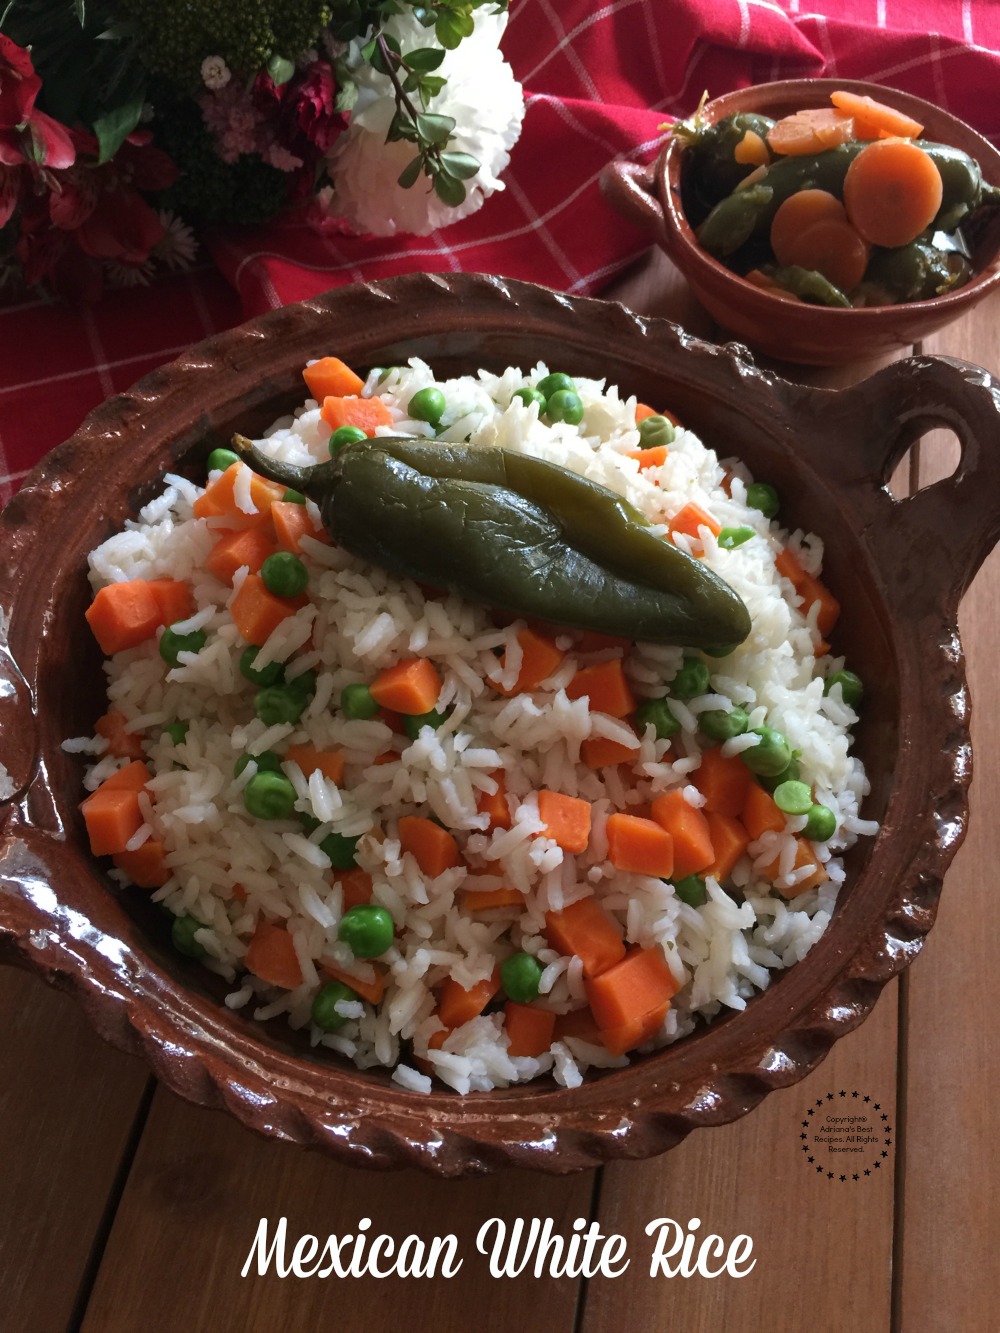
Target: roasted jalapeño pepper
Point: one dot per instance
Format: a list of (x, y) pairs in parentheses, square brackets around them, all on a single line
[(515, 532)]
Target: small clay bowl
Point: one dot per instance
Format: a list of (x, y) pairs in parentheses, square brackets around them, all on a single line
[(899, 569), (796, 331)]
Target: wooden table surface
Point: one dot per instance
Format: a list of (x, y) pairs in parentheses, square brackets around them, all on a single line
[(124, 1208)]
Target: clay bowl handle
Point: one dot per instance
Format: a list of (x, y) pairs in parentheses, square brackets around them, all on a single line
[(631, 190), (947, 529)]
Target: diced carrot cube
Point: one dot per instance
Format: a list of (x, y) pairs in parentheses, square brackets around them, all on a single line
[(123, 615), (121, 743), (529, 1028), (329, 762), (587, 931), (640, 845), (760, 814), (365, 413), (146, 866), (112, 819), (239, 547), (566, 819), (133, 777), (603, 752), (257, 613), (539, 658), (456, 1005), (355, 886), (729, 840), (627, 1036), (372, 991), (494, 804), (723, 781), (655, 456), (804, 856), (433, 847), (173, 597), (605, 685), (330, 376), (689, 828), (637, 986), (292, 522), (271, 956), (485, 900), (411, 687), (691, 518)]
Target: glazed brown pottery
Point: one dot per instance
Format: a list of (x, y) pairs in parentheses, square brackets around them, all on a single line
[(650, 197), (898, 567)]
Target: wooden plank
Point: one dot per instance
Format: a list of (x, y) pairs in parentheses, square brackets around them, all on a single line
[(201, 1184), (951, 1195), (67, 1107)]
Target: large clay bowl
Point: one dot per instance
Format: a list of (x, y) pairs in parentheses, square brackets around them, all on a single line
[(651, 197), (899, 569)]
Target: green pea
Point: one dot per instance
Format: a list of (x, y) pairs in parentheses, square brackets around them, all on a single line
[(528, 396), (345, 435), (294, 498), (356, 702), (304, 684), (851, 689), (324, 1005), (272, 674), (176, 731), (657, 712), (790, 773), (730, 538), (182, 936), (172, 644), (771, 757), (267, 762), (366, 930), (656, 430), (341, 850), (427, 405), (520, 975), (793, 797), (555, 383), (284, 574), (414, 723), (718, 725), (691, 680), (821, 823), (691, 890), (219, 460), (565, 405), (269, 796), (279, 704), (763, 497)]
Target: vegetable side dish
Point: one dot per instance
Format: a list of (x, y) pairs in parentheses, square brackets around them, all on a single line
[(843, 206)]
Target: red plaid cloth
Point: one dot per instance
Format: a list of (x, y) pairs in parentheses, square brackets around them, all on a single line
[(599, 78)]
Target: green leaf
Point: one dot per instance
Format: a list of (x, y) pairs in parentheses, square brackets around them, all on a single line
[(280, 69), (401, 127), (463, 166), (451, 28), (425, 15), (114, 127), (369, 49), (424, 59), (408, 176), (430, 86), (435, 129), (449, 190)]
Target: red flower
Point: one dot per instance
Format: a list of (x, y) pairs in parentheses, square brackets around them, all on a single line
[(312, 106), (27, 134)]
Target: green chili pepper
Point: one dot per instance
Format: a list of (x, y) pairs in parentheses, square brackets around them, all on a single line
[(734, 220), (807, 284), (515, 532), (711, 170), (918, 271)]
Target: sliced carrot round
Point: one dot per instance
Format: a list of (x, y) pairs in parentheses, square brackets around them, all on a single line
[(798, 212), (812, 131), (831, 247), (892, 192), (876, 120)]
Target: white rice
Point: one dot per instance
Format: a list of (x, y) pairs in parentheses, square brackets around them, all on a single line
[(230, 870)]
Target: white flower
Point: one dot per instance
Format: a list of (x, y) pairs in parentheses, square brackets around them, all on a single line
[(178, 247), (215, 73), (128, 275), (487, 104)]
